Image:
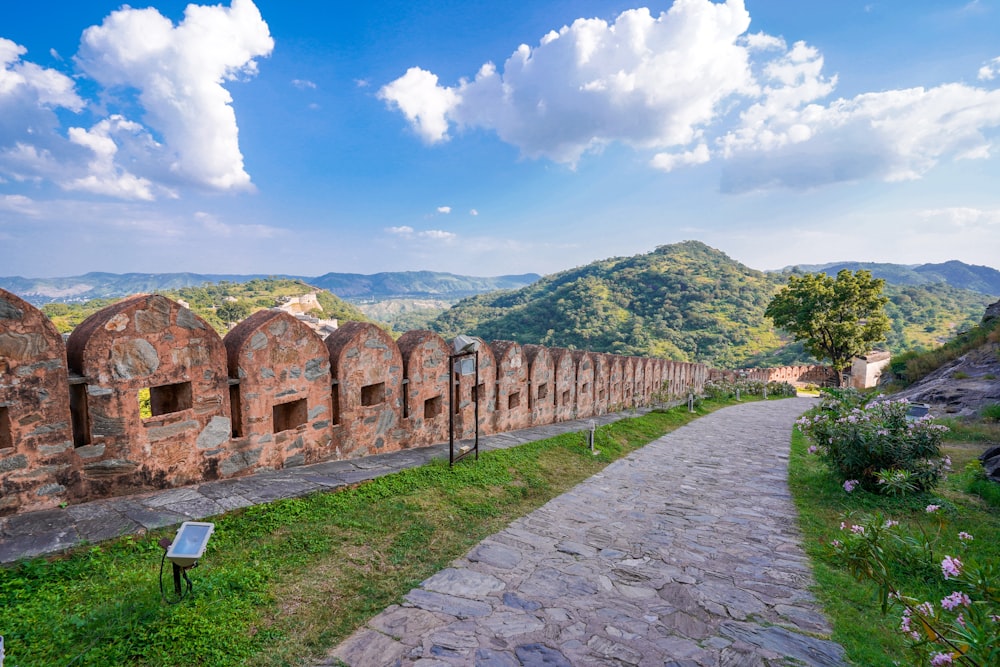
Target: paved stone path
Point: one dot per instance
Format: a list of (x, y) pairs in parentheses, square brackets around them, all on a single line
[(683, 554)]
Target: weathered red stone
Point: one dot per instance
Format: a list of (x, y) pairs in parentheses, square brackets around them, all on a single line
[(425, 373), (148, 342), (279, 394), (585, 384), (565, 374), (541, 384), (367, 370), (511, 387), (38, 467)]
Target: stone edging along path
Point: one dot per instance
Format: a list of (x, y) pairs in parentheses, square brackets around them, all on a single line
[(686, 553)]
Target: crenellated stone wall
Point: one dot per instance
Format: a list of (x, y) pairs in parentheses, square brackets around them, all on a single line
[(145, 395)]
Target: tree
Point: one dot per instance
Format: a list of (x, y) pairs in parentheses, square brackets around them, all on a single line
[(231, 312), (836, 319)]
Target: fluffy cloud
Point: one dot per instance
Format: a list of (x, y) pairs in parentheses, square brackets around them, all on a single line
[(691, 85), (431, 234), (651, 82), (104, 176), (444, 209), (990, 70), (893, 135), (45, 87), (179, 72)]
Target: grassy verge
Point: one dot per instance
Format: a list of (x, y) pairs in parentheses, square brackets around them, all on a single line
[(280, 583), (871, 639)]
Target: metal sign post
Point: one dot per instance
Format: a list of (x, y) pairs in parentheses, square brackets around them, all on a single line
[(469, 351)]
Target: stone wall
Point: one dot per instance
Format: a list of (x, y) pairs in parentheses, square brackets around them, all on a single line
[(145, 395)]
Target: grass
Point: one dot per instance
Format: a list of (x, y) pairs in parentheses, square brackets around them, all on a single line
[(870, 638), (283, 582)]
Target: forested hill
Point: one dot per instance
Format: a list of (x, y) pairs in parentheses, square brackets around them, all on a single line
[(982, 279), (685, 301)]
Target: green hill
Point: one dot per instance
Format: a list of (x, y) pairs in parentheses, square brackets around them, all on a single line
[(211, 299), (982, 279), (687, 302)]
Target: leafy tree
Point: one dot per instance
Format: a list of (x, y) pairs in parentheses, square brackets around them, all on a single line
[(232, 312), (837, 318)]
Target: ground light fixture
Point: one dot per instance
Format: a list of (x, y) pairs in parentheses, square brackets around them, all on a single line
[(183, 553)]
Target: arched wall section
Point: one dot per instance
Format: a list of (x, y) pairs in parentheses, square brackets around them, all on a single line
[(279, 394), (511, 387), (425, 374)]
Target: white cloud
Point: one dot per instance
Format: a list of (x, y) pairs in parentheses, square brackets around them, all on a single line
[(438, 235), (671, 84), (211, 224), (894, 135), (650, 82), (303, 84), (990, 70), (44, 87), (669, 161), (473, 212), (105, 177), (402, 230), (18, 204), (444, 209), (424, 103), (950, 220), (179, 73)]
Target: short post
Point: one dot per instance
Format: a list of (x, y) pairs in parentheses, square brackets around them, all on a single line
[(690, 402), (737, 393), (765, 392), (591, 437)]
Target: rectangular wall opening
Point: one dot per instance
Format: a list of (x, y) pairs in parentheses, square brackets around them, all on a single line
[(335, 398), (6, 433), (565, 397), (169, 398), (80, 414), (287, 416), (586, 388), (514, 400), (373, 394), (432, 407), (456, 392), (406, 399), (543, 391), (237, 410)]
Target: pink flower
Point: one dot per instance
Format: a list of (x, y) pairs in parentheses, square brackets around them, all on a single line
[(932, 508), (925, 609), (890, 523), (965, 537), (960, 619), (951, 567), (939, 659), (813, 449), (956, 599), (850, 484), (858, 530), (836, 544)]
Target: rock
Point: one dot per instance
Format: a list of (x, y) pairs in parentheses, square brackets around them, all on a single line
[(991, 463)]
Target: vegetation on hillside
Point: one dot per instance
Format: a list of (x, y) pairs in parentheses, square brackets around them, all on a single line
[(687, 302), (211, 300)]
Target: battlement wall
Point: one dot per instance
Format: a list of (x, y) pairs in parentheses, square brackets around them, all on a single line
[(145, 395)]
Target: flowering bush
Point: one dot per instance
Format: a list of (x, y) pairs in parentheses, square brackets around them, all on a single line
[(875, 444), (720, 388), (963, 627)]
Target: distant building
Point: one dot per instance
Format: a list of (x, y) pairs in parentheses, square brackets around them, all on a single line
[(300, 306), (866, 370)]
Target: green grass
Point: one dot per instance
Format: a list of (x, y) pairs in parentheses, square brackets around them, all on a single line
[(870, 638), (283, 582)]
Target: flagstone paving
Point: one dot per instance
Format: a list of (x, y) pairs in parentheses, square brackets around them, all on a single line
[(686, 553)]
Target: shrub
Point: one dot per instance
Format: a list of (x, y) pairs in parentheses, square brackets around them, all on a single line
[(992, 412), (875, 444), (963, 628)]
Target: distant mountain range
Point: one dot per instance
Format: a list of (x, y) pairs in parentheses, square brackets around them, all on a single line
[(352, 286), (982, 279)]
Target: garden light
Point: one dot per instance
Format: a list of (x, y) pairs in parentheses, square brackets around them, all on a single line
[(185, 550)]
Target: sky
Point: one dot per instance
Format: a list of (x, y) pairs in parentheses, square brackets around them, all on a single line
[(489, 137)]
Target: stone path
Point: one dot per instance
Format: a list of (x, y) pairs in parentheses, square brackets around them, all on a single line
[(684, 554)]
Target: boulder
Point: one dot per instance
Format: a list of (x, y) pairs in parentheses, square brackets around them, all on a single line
[(991, 463)]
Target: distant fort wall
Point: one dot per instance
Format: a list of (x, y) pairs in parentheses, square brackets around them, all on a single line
[(145, 395)]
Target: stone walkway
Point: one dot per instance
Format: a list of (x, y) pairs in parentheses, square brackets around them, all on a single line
[(683, 554)]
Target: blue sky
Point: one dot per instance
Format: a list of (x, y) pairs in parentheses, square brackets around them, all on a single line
[(488, 138)]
